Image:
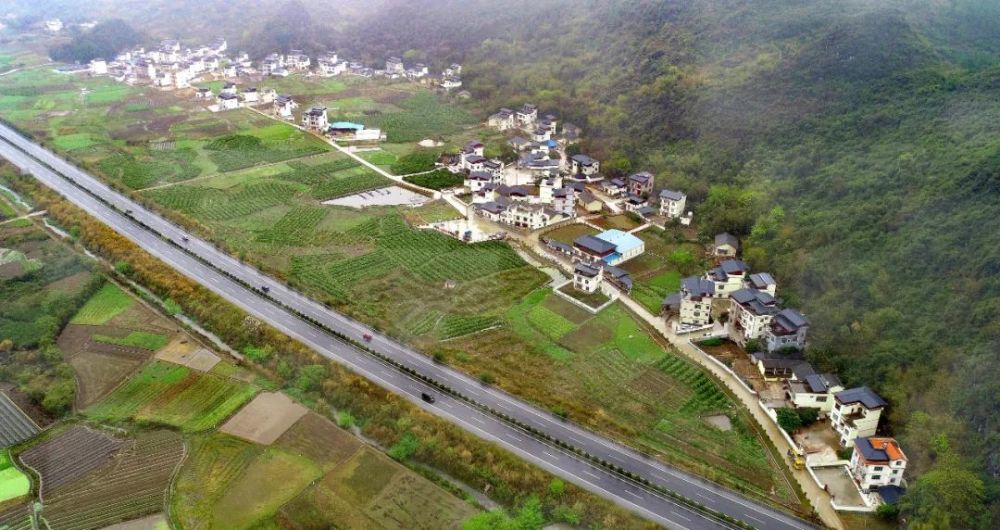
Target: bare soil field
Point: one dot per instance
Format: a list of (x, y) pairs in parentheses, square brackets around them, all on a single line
[(183, 350), (97, 374), (150, 522), (265, 418)]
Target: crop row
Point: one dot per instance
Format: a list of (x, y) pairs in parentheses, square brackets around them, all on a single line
[(295, 227), (69, 456)]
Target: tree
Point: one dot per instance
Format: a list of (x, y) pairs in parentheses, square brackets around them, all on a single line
[(947, 496), (104, 40), (807, 415), (789, 420)]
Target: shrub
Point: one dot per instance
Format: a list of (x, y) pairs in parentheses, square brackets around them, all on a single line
[(711, 343), (557, 487), (753, 345), (345, 420), (437, 180), (789, 420), (405, 447), (808, 416), (415, 162)]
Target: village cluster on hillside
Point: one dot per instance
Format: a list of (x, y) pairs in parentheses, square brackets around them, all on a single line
[(172, 65)]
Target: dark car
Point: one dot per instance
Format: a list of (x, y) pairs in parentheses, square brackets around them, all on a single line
[(265, 288), (427, 397)]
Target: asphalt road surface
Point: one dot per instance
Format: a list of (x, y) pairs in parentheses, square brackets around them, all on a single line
[(279, 304)]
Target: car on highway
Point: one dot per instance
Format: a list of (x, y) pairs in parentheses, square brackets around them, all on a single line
[(427, 397)]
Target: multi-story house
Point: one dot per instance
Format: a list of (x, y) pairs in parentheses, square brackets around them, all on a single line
[(750, 313), (477, 180), (856, 413), (876, 463), (672, 203), (315, 119), (696, 301), (762, 281), (394, 65), (584, 165), (640, 183), (526, 116), (284, 105), (228, 101), (530, 216), (228, 88), (788, 329), (728, 277), (587, 278), (502, 120), (251, 95)]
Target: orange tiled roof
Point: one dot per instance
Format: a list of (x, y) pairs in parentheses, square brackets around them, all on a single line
[(890, 447)]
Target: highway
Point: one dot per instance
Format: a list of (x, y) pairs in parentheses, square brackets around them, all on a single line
[(284, 309)]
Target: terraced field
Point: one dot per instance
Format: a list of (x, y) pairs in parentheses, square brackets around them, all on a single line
[(69, 456)]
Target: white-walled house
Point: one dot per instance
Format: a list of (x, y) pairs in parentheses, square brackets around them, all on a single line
[(251, 95), (728, 277), (814, 391), (526, 116), (762, 281), (586, 278), (98, 67), (856, 414), (696, 301), (530, 216), (284, 105), (477, 180), (726, 245), (315, 119), (502, 120), (583, 165), (750, 313), (876, 463), (672, 203), (228, 101), (787, 329)]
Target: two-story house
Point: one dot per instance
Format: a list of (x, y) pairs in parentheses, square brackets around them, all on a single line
[(284, 105), (672, 203), (394, 65), (726, 245), (762, 281), (856, 414), (876, 463), (526, 116), (228, 101), (502, 120)]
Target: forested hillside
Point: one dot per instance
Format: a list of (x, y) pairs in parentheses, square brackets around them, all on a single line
[(854, 145)]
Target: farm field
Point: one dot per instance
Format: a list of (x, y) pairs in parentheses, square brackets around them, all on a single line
[(568, 233), (164, 393), (13, 483), (323, 484), (129, 485), (606, 371), (658, 272)]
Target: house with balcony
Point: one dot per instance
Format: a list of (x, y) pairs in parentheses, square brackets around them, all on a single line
[(526, 117), (315, 119), (640, 183), (726, 245), (584, 165), (502, 120), (750, 313), (787, 329), (856, 413), (762, 281), (876, 463), (587, 278), (672, 203), (694, 302), (728, 277)]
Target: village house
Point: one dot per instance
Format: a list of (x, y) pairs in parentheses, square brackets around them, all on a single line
[(672, 203), (526, 116), (814, 391), (315, 119), (877, 463), (297, 60), (502, 120), (750, 313), (564, 201), (584, 165), (728, 276), (229, 70), (204, 93), (589, 202), (726, 245), (762, 281), (775, 367), (856, 414), (541, 135), (614, 187), (695, 301), (571, 133), (613, 247), (98, 67), (394, 65), (787, 329), (587, 278), (268, 95), (640, 183), (228, 101), (251, 95), (451, 83), (530, 216), (284, 105), (54, 25), (491, 210), (228, 88), (477, 180), (635, 203)]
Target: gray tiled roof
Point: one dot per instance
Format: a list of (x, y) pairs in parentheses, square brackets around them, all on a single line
[(726, 238), (697, 286), (863, 395), (593, 244), (671, 195)]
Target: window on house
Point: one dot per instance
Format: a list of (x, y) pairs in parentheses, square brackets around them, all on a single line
[(821, 399), (878, 468), (876, 477)]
